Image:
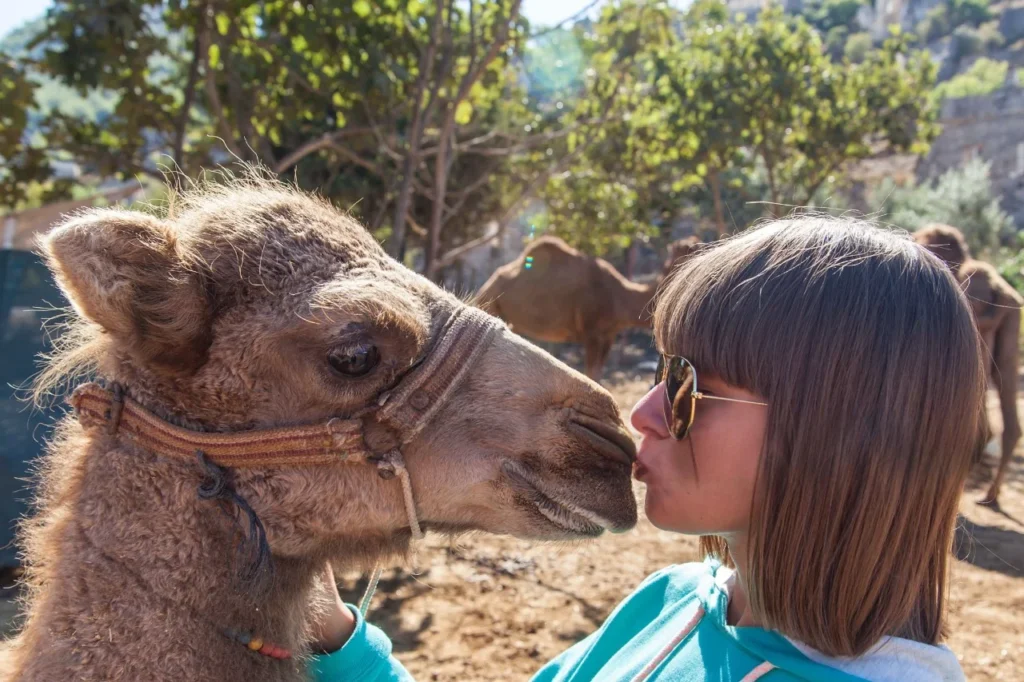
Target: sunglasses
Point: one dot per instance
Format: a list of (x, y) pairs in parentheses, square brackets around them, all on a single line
[(680, 379)]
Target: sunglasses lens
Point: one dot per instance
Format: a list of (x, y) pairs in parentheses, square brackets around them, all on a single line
[(680, 379)]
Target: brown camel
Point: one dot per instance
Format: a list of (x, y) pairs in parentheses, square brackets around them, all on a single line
[(555, 293), (251, 314), (997, 312)]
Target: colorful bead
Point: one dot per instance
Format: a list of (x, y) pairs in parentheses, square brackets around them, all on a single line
[(257, 644)]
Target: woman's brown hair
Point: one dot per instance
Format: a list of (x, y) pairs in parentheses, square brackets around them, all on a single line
[(864, 347)]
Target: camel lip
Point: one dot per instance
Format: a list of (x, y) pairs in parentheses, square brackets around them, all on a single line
[(605, 437), (564, 515)]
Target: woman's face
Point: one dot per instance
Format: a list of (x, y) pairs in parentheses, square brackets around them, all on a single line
[(725, 442)]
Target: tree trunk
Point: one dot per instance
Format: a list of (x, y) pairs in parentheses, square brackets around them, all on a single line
[(198, 50), (441, 167), (396, 246)]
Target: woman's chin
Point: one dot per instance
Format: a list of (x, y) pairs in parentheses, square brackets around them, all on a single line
[(663, 519), (656, 514)]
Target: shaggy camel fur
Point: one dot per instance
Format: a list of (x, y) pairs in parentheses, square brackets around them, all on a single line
[(254, 306), (568, 296), (997, 311)]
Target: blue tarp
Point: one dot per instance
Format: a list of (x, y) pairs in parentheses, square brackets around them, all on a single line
[(27, 297)]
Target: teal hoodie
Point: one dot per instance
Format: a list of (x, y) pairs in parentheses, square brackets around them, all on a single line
[(673, 627)]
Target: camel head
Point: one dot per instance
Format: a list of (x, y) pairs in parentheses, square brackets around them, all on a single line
[(253, 306), (679, 251), (947, 243)]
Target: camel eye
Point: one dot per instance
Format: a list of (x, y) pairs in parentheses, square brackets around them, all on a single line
[(354, 362)]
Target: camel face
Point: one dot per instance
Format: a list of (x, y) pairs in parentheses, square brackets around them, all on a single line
[(945, 242), (679, 251), (540, 453), (256, 306)]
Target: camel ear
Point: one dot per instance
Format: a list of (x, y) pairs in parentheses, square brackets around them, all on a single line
[(126, 271)]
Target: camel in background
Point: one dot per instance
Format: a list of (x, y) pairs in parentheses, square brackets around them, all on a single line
[(250, 318), (566, 296), (997, 312)]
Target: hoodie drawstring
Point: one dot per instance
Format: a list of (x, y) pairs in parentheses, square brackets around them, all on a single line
[(752, 676), (757, 672), (656, 661)]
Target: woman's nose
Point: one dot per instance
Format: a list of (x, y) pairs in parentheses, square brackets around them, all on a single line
[(648, 415)]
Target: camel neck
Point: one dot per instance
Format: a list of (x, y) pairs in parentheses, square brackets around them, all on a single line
[(635, 307), (141, 560)]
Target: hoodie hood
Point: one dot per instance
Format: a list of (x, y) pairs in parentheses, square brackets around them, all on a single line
[(892, 659)]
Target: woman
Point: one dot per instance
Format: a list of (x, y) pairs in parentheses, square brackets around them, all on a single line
[(813, 423)]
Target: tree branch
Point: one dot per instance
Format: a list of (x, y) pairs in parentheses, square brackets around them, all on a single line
[(346, 153), (215, 106), (416, 228), (426, 67), (565, 21), (198, 48), (325, 141), (493, 229)]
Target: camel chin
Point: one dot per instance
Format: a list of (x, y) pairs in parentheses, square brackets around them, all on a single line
[(551, 515)]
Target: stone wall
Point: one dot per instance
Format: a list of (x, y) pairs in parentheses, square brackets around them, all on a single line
[(990, 127)]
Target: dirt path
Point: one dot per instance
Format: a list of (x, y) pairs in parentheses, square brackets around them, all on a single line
[(486, 608)]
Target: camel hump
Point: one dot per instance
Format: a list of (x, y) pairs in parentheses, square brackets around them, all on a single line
[(983, 283), (550, 252)]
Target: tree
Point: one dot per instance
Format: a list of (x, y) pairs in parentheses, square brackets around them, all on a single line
[(22, 163), (857, 47), (764, 98), (432, 119), (615, 180), (382, 99), (984, 77)]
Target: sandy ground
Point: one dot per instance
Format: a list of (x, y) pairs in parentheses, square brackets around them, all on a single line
[(496, 608)]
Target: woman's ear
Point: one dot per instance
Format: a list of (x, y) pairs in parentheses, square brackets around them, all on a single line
[(127, 272)]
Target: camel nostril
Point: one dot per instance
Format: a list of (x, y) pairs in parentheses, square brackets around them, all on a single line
[(609, 439)]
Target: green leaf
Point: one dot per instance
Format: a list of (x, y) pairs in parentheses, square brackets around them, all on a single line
[(361, 8), (223, 24), (214, 56), (463, 112)]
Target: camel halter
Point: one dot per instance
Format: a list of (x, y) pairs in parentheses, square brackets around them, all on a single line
[(375, 434)]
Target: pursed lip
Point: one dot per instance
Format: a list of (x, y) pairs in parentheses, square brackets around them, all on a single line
[(639, 471), (564, 515)]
